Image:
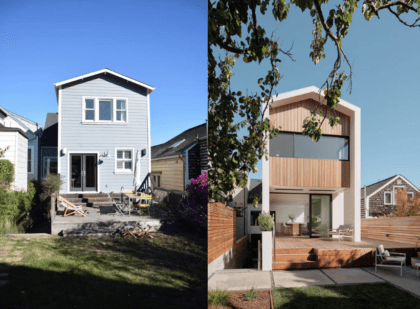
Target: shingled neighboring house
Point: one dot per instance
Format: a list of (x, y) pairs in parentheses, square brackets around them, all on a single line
[(181, 158), (378, 199), (48, 146)]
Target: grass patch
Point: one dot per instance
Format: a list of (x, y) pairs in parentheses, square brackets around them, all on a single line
[(218, 297), (106, 272), (365, 296)]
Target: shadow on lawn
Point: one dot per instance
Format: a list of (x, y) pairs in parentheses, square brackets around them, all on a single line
[(35, 288)]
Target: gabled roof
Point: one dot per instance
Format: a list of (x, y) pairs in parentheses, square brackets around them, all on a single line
[(188, 138), (103, 71), (50, 134), (377, 186), (7, 129), (24, 122), (313, 93), (52, 118)]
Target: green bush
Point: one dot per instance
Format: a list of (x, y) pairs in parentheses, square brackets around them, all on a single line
[(51, 184), (218, 297), (265, 221), (250, 295), (14, 206), (7, 171)]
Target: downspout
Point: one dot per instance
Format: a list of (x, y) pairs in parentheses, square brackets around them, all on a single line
[(183, 169), (366, 208)]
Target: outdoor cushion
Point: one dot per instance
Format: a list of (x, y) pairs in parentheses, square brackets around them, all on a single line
[(395, 259), (380, 249), (386, 253)]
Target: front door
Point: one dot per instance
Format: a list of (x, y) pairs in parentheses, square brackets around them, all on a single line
[(84, 172), (320, 215)]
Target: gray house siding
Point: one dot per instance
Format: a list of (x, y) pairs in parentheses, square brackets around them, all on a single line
[(104, 138), (33, 141)]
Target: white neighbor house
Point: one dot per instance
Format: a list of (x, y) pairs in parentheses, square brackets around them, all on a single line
[(317, 182)]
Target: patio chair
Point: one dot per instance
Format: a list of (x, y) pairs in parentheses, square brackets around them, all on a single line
[(119, 205), (145, 202), (70, 208), (389, 259), (342, 231), (286, 229)]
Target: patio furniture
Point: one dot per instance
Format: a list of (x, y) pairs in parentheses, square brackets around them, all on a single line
[(389, 259), (345, 230), (145, 233), (129, 231), (145, 202), (294, 228), (119, 205), (286, 229), (417, 266), (70, 208), (304, 228)]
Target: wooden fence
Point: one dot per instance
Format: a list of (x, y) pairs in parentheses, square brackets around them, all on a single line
[(397, 229)]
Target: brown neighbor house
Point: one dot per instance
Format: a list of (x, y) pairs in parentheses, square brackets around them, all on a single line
[(379, 199), (181, 158)]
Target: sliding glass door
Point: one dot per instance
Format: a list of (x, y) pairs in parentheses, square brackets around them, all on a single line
[(320, 215), (83, 172)]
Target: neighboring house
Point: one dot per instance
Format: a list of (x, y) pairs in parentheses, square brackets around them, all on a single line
[(317, 182), (17, 141), (379, 199), (48, 146), (33, 131), (103, 121), (181, 158)]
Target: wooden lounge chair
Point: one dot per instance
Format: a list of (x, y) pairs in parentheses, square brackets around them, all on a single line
[(70, 208), (389, 259)]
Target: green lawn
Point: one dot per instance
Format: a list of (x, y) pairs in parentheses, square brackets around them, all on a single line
[(169, 271), (364, 296)]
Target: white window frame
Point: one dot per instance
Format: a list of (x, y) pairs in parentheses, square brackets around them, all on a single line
[(125, 110), (394, 198), (385, 203), (119, 171), (32, 161), (412, 195), (96, 120), (84, 109)]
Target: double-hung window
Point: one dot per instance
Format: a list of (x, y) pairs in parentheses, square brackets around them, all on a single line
[(124, 160), (388, 198), (104, 110)]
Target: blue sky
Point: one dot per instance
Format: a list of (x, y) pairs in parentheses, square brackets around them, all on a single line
[(385, 85), (161, 43)]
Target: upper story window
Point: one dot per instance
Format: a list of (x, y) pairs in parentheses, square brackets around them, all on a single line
[(98, 110), (296, 145), (410, 195)]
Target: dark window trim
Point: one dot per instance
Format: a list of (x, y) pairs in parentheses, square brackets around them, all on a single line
[(258, 211), (343, 136)]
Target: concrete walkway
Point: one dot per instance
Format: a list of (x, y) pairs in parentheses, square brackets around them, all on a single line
[(245, 279)]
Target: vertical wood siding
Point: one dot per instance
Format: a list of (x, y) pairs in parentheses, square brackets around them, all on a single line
[(290, 118), (302, 172), (76, 136)]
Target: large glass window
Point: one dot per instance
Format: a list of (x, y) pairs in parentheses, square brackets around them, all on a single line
[(296, 145), (105, 110)]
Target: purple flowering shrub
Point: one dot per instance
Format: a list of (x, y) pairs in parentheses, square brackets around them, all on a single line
[(195, 209)]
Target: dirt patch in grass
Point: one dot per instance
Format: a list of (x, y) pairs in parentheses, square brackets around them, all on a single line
[(237, 301)]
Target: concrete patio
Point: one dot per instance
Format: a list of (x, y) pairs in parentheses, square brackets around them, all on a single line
[(245, 279)]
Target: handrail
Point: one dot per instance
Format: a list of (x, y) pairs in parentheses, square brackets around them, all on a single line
[(147, 183)]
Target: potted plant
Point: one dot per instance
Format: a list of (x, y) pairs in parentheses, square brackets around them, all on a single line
[(265, 221), (292, 217)]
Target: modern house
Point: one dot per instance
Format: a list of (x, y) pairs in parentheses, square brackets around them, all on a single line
[(181, 158), (317, 183), (48, 145), (21, 135), (379, 199), (103, 122)]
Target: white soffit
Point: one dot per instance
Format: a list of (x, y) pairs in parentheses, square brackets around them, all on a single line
[(311, 93)]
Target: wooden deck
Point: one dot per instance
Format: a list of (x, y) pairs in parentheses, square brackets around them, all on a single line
[(305, 253)]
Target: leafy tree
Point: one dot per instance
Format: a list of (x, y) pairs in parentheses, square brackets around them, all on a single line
[(233, 27), (3, 151), (404, 207)]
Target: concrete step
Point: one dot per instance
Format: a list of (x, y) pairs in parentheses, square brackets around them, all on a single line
[(295, 265), (295, 257), (294, 250), (89, 195)]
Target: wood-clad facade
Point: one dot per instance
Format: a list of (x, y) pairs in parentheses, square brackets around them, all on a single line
[(290, 118), (300, 172), (171, 172), (304, 172)]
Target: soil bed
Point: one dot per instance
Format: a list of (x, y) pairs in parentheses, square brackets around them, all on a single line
[(236, 301)]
